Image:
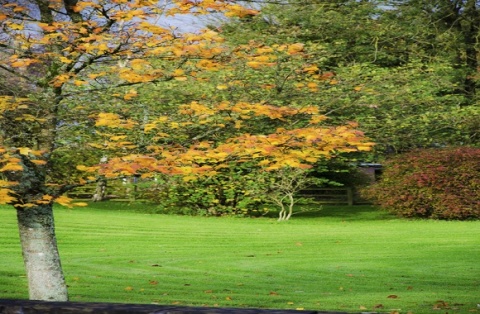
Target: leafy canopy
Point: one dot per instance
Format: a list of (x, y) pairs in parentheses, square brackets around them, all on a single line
[(63, 57)]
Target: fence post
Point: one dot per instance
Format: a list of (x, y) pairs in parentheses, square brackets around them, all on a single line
[(350, 196)]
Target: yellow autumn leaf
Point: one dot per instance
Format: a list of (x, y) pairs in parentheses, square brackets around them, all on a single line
[(365, 146), (6, 196), (79, 82), (80, 204), (264, 162), (178, 72), (81, 6), (311, 69), (189, 178), (64, 201), (138, 64), (83, 168), (24, 150), (59, 80), (26, 205), (95, 75), (148, 127), (65, 60), (222, 87), (108, 119), (132, 93), (254, 64), (102, 47), (15, 26), (22, 63), (118, 137), (317, 119), (180, 78), (46, 199), (4, 183), (39, 162), (295, 48), (11, 167), (47, 27)]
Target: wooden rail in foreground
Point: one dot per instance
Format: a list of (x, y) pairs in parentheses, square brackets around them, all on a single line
[(40, 307)]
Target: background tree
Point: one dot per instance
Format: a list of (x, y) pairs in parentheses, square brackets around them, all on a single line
[(405, 70)]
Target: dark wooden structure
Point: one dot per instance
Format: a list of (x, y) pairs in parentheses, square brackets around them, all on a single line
[(40, 307)]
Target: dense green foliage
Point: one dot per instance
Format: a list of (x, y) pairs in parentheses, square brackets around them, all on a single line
[(405, 70), (225, 194), (431, 183)]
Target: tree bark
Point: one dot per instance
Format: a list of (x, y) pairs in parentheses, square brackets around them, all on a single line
[(46, 281), (100, 191)]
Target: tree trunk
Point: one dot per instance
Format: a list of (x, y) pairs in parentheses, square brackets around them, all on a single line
[(40, 254), (290, 206), (100, 191), (472, 24)]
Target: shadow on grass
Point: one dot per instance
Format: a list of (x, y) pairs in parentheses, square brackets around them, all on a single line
[(141, 207), (310, 211), (342, 212)]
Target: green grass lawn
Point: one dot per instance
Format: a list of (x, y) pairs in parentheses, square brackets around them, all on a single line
[(341, 258)]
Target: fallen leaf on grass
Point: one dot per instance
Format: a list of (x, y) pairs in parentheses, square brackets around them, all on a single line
[(273, 293), (128, 288), (153, 282), (392, 296), (440, 305)]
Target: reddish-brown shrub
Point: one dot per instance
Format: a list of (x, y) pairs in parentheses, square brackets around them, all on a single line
[(431, 183)]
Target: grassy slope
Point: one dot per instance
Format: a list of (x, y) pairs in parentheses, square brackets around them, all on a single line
[(339, 259)]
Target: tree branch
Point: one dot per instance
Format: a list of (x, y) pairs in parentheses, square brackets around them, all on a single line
[(28, 78)]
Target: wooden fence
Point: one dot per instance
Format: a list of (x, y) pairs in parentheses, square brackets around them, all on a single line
[(129, 192), (339, 195), (117, 191)]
